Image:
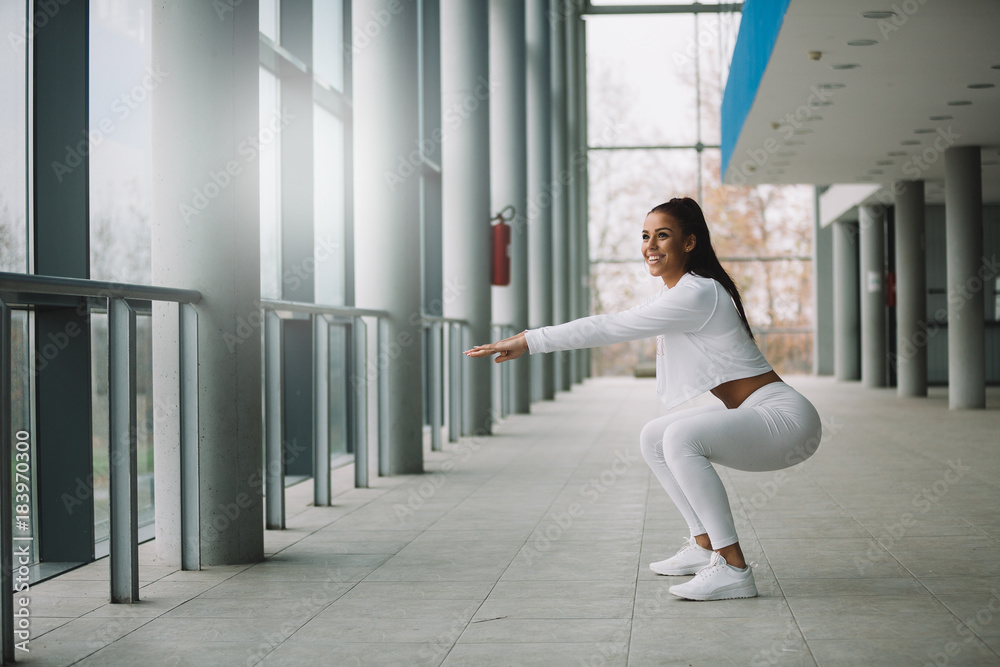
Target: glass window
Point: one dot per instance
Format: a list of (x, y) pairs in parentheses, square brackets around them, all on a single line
[(328, 41), (269, 19), (270, 189), (654, 104), (328, 206), (119, 142), (13, 167)]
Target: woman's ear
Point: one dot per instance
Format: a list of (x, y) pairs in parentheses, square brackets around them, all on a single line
[(690, 242)]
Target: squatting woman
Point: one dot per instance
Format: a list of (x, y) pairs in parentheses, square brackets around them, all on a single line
[(703, 343)]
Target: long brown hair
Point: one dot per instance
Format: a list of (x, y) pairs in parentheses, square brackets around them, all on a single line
[(702, 260)]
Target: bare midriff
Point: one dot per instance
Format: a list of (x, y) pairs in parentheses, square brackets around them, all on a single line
[(734, 392)]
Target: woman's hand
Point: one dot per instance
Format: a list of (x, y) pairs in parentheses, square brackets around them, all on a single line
[(508, 349)]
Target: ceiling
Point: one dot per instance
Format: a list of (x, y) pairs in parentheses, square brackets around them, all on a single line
[(887, 118)]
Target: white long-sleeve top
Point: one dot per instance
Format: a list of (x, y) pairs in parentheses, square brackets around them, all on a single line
[(700, 338)]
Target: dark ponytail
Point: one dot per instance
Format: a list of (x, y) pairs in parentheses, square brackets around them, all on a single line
[(702, 260)]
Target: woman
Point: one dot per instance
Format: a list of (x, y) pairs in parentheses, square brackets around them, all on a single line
[(704, 343)]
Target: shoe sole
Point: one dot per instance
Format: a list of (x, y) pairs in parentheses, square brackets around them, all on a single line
[(724, 595), (679, 572)]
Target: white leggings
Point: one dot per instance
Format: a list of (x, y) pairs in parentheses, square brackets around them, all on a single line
[(774, 428)]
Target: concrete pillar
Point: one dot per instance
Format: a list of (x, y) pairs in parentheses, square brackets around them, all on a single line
[(577, 219), (963, 203), (871, 225), (823, 341), (539, 192), (387, 208), (509, 182), (562, 242), (846, 325), (465, 174), (206, 236), (911, 290)]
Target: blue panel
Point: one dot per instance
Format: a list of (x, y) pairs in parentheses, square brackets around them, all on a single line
[(759, 27)]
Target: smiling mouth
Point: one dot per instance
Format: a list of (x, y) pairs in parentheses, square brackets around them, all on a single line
[(653, 259)]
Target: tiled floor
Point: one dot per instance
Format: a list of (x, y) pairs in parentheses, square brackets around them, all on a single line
[(530, 547)]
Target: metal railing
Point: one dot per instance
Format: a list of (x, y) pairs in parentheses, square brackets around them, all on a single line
[(447, 333), (123, 302), (322, 317)]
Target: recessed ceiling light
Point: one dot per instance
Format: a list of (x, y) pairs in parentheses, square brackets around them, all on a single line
[(862, 42), (878, 15), (897, 153), (842, 66), (980, 86), (959, 103), (830, 86), (884, 163), (910, 142), (943, 117), (924, 130)]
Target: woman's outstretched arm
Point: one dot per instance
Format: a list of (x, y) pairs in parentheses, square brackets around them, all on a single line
[(508, 348)]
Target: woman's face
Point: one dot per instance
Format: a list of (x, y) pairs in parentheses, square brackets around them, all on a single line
[(665, 248)]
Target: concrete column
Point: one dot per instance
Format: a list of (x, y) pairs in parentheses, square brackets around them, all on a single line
[(823, 342), (846, 324), (963, 203), (911, 290), (465, 174), (871, 225), (387, 210), (559, 182), (509, 182), (206, 236), (539, 194), (584, 185)]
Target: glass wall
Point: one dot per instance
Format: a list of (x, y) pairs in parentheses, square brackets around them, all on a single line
[(654, 87)]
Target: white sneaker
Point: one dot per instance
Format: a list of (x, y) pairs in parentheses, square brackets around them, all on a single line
[(688, 560), (718, 581)]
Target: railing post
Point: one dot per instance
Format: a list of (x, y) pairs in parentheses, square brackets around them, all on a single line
[(454, 383), (6, 529), (435, 398), (382, 342), (189, 438), (465, 342), (496, 373), (359, 394), (321, 411), (122, 464), (274, 457)]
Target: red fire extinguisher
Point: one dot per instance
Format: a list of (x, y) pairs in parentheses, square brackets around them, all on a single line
[(500, 269)]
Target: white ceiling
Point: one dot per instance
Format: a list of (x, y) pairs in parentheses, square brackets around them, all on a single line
[(924, 58)]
